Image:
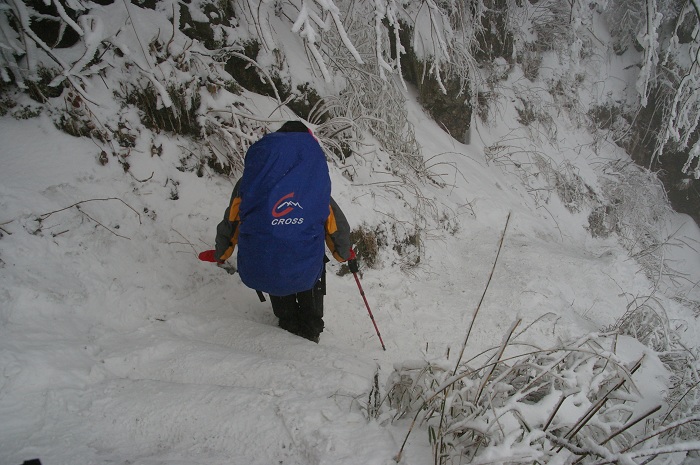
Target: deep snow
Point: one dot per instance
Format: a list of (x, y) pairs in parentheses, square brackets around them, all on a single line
[(118, 346)]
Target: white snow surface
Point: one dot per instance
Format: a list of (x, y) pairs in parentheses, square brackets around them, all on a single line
[(118, 346)]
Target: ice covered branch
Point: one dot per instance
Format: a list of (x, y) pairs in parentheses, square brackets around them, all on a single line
[(649, 41), (684, 114), (22, 15), (306, 23)]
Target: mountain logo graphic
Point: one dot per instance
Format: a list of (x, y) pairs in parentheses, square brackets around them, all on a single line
[(285, 205)]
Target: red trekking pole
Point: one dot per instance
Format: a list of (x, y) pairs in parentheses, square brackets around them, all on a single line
[(362, 293)]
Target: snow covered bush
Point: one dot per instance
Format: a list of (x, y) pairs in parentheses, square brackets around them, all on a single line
[(401, 242), (573, 403), (635, 207), (543, 177), (367, 243), (683, 396), (646, 320)]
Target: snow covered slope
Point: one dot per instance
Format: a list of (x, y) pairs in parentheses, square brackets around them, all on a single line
[(118, 346)]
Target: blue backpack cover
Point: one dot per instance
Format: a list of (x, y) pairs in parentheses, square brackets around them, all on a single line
[(285, 200)]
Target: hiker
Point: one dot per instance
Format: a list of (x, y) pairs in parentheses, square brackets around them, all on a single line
[(280, 215)]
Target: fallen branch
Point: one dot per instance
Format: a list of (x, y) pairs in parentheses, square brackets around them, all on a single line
[(93, 219), (46, 215)]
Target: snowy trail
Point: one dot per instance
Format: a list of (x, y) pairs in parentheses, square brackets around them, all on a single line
[(153, 395), (209, 378), (240, 353), (137, 421), (120, 350), (573, 288), (128, 350)]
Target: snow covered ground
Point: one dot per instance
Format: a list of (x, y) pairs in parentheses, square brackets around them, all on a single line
[(118, 346)]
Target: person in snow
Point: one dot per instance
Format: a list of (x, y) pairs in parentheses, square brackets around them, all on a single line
[(286, 170)]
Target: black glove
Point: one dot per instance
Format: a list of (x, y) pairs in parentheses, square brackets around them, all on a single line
[(352, 262)]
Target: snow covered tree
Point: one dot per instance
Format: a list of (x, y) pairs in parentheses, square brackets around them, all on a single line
[(683, 114), (450, 43), (668, 35)]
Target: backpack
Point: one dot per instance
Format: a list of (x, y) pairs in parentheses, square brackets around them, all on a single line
[(285, 200)]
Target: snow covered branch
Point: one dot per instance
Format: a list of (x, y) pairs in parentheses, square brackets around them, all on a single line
[(308, 20), (649, 40), (22, 42), (682, 119)]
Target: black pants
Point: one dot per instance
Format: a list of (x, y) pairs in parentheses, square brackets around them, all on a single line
[(302, 313)]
